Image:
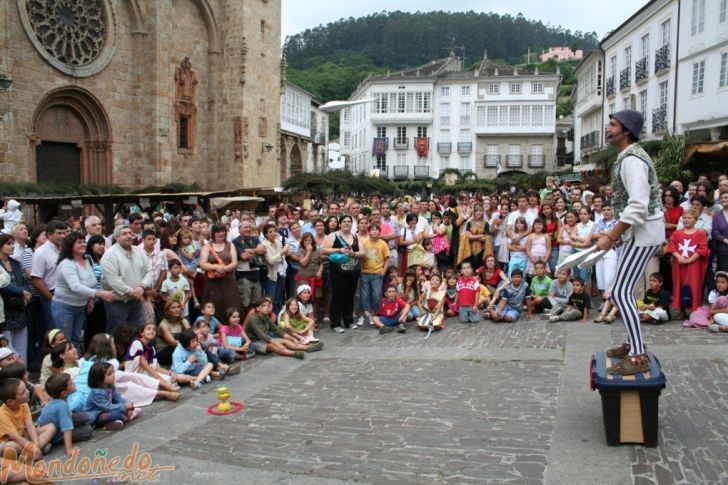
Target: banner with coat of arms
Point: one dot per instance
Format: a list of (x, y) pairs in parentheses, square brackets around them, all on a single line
[(379, 147), (422, 146)]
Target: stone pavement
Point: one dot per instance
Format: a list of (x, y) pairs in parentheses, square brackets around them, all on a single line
[(485, 403)]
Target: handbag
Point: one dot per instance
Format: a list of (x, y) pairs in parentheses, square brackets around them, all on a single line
[(214, 274), (348, 264)]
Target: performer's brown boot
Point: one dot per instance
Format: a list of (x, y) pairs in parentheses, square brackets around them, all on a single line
[(631, 364), (619, 352)]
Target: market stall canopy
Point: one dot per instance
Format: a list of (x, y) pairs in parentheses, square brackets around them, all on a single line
[(707, 149), (243, 202)]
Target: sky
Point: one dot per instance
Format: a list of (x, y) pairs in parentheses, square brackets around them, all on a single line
[(599, 16)]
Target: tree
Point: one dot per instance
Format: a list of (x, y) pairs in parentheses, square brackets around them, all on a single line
[(669, 161)]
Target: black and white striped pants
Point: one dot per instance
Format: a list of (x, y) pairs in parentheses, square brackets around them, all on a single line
[(632, 263)]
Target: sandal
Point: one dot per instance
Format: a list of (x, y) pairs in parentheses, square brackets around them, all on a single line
[(599, 319), (609, 319), (630, 365)]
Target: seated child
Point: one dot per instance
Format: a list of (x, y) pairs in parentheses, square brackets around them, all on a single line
[(51, 339), (451, 295), (18, 370), (511, 299), (468, 288), (208, 315), (559, 292), (540, 286), (141, 358), (189, 361), (433, 301), (655, 307), (714, 315), (393, 311), (483, 293), (16, 424), (70, 427), (220, 357), (234, 338), (268, 337), (104, 406), (295, 323), (577, 306)]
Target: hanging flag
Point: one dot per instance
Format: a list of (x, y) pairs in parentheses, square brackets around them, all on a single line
[(498, 167), (422, 146), (379, 147)]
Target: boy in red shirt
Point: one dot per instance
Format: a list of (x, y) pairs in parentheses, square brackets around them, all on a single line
[(468, 288), (393, 312)]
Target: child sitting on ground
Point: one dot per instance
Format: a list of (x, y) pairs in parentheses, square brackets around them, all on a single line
[(559, 292), (190, 363), (577, 307), (50, 340), (714, 315), (409, 291), (233, 336), (70, 427), (16, 424), (220, 357), (141, 357), (468, 288), (104, 406), (483, 293), (433, 301), (540, 286), (18, 370), (451, 295), (295, 323), (208, 315), (268, 337), (655, 307), (511, 299), (393, 311)]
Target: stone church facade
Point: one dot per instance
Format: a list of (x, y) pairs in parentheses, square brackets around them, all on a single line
[(141, 92)]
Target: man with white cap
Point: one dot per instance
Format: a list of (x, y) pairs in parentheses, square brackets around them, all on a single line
[(640, 228)]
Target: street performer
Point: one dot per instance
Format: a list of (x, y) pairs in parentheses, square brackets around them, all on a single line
[(640, 231)]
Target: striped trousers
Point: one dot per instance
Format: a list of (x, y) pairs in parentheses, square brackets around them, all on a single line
[(632, 263)]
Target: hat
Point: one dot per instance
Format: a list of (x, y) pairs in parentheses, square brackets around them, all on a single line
[(5, 352), (302, 288), (632, 120)]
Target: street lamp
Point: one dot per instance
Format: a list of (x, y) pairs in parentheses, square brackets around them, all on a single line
[(5, 82)]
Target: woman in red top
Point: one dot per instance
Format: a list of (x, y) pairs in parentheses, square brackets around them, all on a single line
[(553, 224), (493, 277), (672, 210)]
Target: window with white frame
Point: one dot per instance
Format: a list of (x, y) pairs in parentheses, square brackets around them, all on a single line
[(347, 139), (492, 119), (526, 115), (612, 108), (515, 88), (381, 131), (345, 115), (464, 135), (722, 11), (465, 90), (444, 161), (665, 32), (537, 115), (663, 93), (698, 78), (491, 155), (401, 159), (494, 88), (625, 102), (445, 135), (723, 82), (697, 17), (444, 113), (464, 164), (627, 56), (514, 115), (645, 46), (513, 159), (548, 115), (536, 88), (444, 90), (480, 115), (465, 113), (613, 67), (537, 158), (382, 163), (643, 104), (401, 134), (422, 132), (503, 116)]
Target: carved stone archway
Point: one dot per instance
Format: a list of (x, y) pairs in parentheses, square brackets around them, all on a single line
[(296, 160), (73, 116)]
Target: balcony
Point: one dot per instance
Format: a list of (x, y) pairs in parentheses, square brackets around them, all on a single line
[(514, 161), (641, 71), (444, 147), (659, 119), (563, 160), (401, 144), (421, 171), (383, 171), (589, 140), (610, 86), (491, 161), (465, 147), (401, 171), (662, 59), (536, 161), (465, 120), (625, 78)]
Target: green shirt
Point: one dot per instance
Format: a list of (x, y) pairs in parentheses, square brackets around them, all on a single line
[(540, 286)]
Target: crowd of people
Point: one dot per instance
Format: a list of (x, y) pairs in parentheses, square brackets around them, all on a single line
[(114, 314)]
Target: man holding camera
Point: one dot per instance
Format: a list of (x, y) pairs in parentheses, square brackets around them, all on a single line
[(248, 271)]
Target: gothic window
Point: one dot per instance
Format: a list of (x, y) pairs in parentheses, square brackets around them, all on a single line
[(185, 105)]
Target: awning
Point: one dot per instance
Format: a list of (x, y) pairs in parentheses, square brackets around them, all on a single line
[(716, 149), (244, 202), (585, 167)]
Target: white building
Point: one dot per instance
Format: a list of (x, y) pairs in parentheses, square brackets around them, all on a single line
[(336, 161), (304, 133), (437, 116), (588, 108), (702, 76)]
